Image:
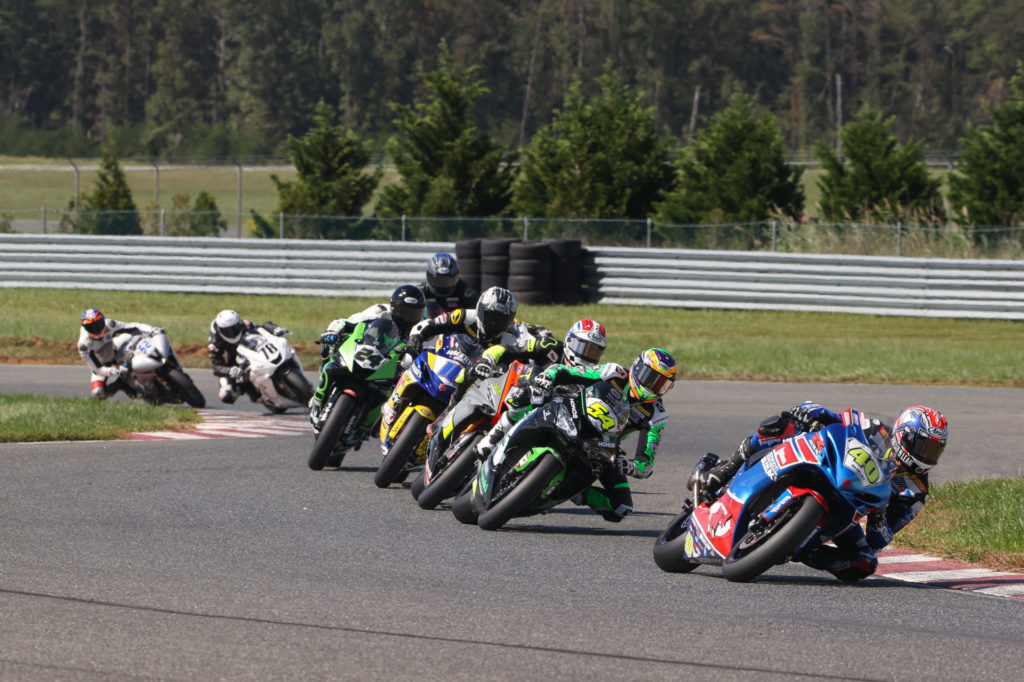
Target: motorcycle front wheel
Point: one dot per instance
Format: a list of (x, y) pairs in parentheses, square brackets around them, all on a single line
[(331, 432), (526, 488), (448, 481), (298, 386), (757, 551), (668, 548), (183, 386), (392, 467)]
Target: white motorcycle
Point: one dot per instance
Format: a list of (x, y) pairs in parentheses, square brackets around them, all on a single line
[(154, 373), (274, 369)]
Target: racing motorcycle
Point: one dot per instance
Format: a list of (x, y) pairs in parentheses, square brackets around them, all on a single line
[(423, 391), (552, 454), (803, 492), (154, 373), (451, 450), (354, 382), (274, 369)]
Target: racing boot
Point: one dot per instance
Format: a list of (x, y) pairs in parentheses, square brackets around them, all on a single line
[(846, 564), (716, 478)]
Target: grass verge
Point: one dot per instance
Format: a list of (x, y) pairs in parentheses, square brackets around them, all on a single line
[(41, 325), (26, 418), (977, 522)]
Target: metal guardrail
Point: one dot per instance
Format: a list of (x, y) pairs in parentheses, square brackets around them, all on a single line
[(922, 287), (928, 287)]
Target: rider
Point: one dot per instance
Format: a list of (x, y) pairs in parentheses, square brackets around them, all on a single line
[(914, 447), (405, 309), (96, 346), (226, 332), (584, 346), (650, 377), (444, 289)]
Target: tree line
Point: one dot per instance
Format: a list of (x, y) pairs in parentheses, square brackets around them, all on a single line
[(204, 78)]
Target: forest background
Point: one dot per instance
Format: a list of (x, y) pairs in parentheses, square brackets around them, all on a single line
[(224, 78)]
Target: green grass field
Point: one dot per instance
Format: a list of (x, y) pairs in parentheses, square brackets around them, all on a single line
[(41, 325)]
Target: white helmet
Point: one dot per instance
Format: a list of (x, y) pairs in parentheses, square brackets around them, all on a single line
[(229, 325), (585, 343)]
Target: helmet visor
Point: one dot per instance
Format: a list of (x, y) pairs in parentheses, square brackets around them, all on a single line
[(95, 326), (494, 322), (651, 379), (443, 284), (232, 333), (585, 350), (408, 313), (922, 448)]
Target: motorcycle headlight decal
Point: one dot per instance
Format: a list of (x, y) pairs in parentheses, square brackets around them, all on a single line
[(565, 422)]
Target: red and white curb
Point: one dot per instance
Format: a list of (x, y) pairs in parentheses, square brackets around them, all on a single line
[(217, 424), (919, 568)]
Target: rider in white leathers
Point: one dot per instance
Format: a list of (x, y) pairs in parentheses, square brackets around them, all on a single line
[(96, 346)]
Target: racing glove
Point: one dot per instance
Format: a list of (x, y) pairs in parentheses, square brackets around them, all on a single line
[(485, 368), (544, 383), (625, 466), (236, 373), (806, 413), (414, 345)]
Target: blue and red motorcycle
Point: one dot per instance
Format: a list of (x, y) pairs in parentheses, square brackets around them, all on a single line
[(785, 500)]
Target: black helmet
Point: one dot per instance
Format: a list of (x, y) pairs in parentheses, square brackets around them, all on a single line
[(407, 306), (442, 274), (495, 312)]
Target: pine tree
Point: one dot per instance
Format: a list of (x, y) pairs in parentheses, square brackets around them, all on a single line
[(331, 178), (109, 208), (878, 179), (448, 166), (735, 171), (601, 158), (988, 185)]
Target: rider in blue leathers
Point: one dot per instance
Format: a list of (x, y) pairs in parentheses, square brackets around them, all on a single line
[(915, 444)]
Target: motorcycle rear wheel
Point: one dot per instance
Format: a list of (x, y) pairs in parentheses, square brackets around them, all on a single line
[(184, 387), (525, 491), (756, 552), (325, 443), (392, 467), (668, 548), (448, 481), (463, 509)]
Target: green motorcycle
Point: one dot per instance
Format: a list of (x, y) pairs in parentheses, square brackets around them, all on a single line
[(358, 376)]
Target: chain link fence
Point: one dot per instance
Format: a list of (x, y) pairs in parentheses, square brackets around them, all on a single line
[(937, 241)]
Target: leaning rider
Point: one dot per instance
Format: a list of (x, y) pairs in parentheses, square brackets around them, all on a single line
[(914, 447), (96, 346), (226, 333), (651, 376)]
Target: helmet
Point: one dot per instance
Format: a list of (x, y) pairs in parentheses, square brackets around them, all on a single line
[(94, 322), (919, 438), (495, 312), (652, 375), (407, 306), (442, 274), (585, 343), (228, 325)]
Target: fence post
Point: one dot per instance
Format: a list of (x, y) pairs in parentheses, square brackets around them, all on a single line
[(163, 222), (156, 182), (77, 181), (649, 224), (44, 220), (526, 228), (899, 239), (239, 165), (403, 227), (775, 236), (281, 221)]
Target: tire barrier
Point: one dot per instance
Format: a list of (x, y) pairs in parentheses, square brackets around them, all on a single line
[(540, 272), (467, 253)]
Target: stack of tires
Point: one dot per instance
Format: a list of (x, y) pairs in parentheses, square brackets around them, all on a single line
[(542, 272), (467, 253)]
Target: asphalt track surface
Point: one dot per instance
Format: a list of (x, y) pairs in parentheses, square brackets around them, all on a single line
[(230, 559)]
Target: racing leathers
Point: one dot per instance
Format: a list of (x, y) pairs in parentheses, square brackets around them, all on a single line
[(463, 296), (613, 500), (234, 377), (854, 555), (100, 356)]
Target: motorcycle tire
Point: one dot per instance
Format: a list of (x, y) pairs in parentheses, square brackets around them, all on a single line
[(463, 509), (755, 553), (668, 548), (299, 387), (524, 493), (416, 487), (393, 466), (449, 480), (184, 387), (325, 443)]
